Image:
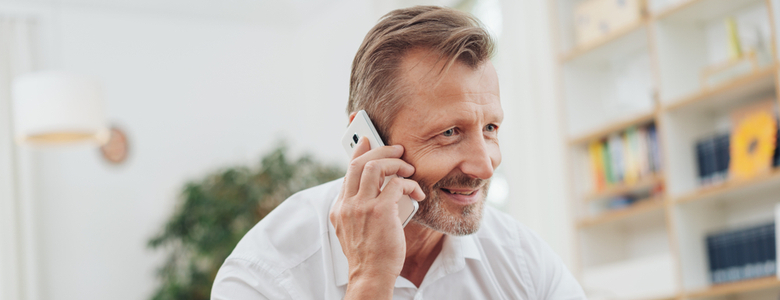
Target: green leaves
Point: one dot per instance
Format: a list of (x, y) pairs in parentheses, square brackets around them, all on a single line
[(214, 213)]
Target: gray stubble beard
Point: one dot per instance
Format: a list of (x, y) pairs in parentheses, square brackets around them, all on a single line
[(434, 214)]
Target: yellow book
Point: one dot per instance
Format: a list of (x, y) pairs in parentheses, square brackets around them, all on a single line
[(595, 150), (735, 47), (753, 138), (631, 172)]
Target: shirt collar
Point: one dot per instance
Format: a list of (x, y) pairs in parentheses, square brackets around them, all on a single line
[(456, 248)]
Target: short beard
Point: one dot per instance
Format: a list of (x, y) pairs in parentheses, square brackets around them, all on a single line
[(433, 212)]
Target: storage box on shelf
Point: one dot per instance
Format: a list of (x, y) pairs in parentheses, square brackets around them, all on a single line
[(686, 67), (588, 24), (596, 19)]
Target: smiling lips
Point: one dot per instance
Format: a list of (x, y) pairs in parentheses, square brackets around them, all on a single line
[(459, 191), (462, 196)]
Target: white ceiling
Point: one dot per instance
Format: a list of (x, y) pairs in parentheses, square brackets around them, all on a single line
[(282, 13), (269, 12)]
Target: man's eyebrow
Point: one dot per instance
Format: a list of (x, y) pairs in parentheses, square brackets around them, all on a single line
[(435, 126)]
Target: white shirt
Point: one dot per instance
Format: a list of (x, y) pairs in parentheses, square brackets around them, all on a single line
[(293, 253)]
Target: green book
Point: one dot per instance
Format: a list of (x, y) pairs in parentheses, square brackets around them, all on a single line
[(607, 164)]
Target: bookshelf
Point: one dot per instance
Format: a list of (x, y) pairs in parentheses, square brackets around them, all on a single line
[(636, 120), (668, 68), (736, 288), (621, 189), (733, 189), (642, 206)]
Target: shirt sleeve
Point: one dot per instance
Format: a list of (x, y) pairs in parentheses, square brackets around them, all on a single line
[(553, 280), (240, 279), (561, 284)]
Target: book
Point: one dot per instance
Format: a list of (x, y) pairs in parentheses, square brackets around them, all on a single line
[(615, 145), (777, 149), (625, 157), (700, 162), (753, 138), (597, 165), (643, 152), (735, 46), (740, 254), (722, 157), (605, 161), (655, 152), (631, 172), (709, 161)]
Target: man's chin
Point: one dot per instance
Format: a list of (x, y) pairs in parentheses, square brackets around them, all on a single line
[(439, 213)]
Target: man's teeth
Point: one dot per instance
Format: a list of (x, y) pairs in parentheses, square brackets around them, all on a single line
[(459, 193)]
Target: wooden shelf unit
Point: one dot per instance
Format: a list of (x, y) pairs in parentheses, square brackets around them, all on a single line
[(621, 189), (636, 120), (672, 101), (756, 81), (580, 50), (672, 9), (732, 288), (640, 207), (731, 186)]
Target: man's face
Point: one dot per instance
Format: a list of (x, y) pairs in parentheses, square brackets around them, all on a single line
[(448, 126)]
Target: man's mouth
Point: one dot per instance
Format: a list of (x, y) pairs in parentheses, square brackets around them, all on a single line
[(466, 192)]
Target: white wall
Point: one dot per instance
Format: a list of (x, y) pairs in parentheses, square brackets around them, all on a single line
[(533, 142), (197, 90), (194, 94)]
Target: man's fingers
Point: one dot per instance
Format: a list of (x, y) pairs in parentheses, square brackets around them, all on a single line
[(375, 172), (417, 194), (355, 170), (352, 178), (361, 148), (394, 151), (399, 187)]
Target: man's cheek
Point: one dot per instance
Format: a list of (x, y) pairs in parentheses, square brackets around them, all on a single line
[(433, 170), (495, 156)]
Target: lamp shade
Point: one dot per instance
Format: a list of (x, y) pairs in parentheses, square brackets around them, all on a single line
[(54, 107)]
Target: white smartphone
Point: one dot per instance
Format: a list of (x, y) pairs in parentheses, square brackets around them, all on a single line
[(361, 126)]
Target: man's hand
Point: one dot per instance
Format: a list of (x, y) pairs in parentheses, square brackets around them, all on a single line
[(366, 219)]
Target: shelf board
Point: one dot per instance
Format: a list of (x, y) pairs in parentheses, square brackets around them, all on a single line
[(621, 125), (735, 287), (763, 79), (622, 189), (700, 10), (731, 187), (641, 206), (588, 48), (673, 297)]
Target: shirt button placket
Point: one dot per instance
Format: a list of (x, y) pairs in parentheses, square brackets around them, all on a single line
[(418, 296)]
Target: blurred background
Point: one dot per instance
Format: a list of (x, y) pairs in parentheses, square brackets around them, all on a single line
[(640, 137)]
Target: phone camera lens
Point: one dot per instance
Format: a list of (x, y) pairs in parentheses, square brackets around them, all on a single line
[(355, 137)]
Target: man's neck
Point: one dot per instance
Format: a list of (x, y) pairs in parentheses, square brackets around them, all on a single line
[(422, 247)]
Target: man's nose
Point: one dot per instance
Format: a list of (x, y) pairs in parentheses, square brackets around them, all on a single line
[(477, 162)]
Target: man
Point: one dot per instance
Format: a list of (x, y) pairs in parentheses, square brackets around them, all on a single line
[(424, 76)]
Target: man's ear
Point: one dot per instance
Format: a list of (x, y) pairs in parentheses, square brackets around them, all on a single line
[(352, 116)]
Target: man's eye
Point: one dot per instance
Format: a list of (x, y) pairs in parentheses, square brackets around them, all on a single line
[(491, 127), (449, 132)]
